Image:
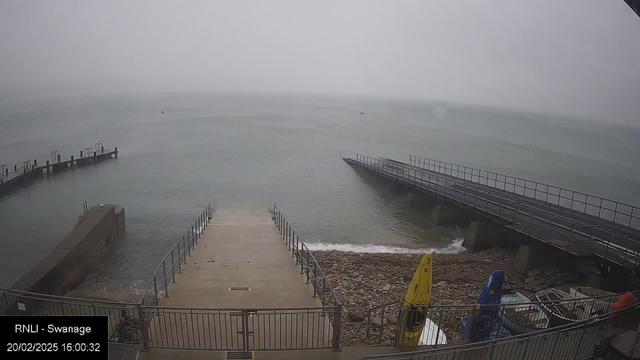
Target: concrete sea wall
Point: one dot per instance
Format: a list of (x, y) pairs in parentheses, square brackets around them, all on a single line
[(69, 263)]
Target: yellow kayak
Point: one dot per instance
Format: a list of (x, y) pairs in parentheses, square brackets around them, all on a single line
[(415, 304)]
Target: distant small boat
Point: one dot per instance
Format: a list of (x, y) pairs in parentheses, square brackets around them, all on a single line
[(361, 113), (524, 318)]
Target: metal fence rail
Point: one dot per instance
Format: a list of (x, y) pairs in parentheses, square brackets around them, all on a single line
[(567, 342), (172, 262), (523, 317), (242, 329), (124, 318), (544, 226), (615, 211), (192, 328)]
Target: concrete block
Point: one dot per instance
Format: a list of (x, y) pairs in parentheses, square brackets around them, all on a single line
[(400, 187), (417, 200), (526, 260), (443, 215), (483, 236), (607, 282)]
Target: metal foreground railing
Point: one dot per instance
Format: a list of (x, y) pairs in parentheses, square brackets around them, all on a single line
[(620, 213), (568, 342), (242, 330), (172, 262), (608, 244), (314, 274), (457, 324), (124, 318)]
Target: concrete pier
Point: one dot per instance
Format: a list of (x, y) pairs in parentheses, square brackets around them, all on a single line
[(443, 215), (399, 187), (417, 200), (241, 250), (483, 235)]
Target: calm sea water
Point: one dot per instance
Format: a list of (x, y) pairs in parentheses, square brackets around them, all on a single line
[(243, 152)]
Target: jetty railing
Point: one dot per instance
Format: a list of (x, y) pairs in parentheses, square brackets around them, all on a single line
[(572, 341), (503, 207), (458, 323), (172, 262), (611, 210)]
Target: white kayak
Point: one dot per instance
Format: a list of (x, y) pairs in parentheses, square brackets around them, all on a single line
[(431, 333)]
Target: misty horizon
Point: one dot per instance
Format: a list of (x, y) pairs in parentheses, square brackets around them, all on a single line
[(575, 58)]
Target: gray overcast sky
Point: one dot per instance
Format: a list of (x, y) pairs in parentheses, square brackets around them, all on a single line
[(575, 57)]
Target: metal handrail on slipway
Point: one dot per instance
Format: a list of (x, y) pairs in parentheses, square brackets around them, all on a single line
[(503, 208), (573, 341), (178, 255), (308, 263), (602, 208)]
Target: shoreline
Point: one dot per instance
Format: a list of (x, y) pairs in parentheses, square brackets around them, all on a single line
[(365, 280)]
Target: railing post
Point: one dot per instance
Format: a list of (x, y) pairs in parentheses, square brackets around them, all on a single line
[(337, 327), (493, 346), (308, 266), (155, 289), (179, 259), (439, 324), (143, 328), (173, 268), (164, 273), (324, 289), (584, 330), (315, 279), (184, 246), (526, 348)]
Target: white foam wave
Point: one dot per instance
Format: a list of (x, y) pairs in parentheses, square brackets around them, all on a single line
[(453, 248)]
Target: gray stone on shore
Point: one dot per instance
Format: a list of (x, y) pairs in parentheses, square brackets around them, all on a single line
[(534, 272), (361, 280)]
